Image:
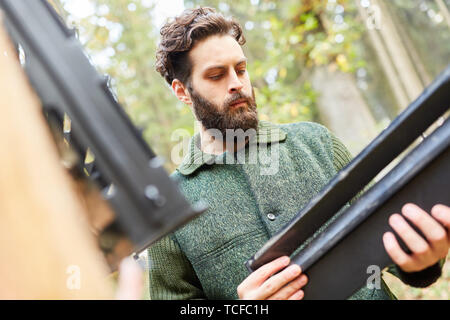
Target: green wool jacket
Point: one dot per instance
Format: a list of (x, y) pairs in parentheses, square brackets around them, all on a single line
[(248, 202)]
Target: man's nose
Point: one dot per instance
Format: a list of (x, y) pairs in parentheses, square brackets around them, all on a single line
[(235, 85)]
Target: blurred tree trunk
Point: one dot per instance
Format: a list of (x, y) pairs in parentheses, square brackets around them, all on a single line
[(396, 59), (341, 106), (343, 109), (444, 11)]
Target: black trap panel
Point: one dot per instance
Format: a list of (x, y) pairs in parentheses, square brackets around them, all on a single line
[(146, 202), (337, 261), (405, 129)]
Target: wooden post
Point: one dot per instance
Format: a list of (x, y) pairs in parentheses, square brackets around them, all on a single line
[(46, 249)]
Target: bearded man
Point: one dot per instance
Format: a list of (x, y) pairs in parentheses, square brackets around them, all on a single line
[(201, 58)]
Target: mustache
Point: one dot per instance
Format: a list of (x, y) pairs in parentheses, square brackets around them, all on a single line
[(237, 96)]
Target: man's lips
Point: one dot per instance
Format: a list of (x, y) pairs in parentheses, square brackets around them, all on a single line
[(238, 102)]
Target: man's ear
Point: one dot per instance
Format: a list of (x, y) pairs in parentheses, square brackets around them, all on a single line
[(181, 92)]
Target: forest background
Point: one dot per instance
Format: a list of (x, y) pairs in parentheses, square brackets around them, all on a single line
[(352, 65)]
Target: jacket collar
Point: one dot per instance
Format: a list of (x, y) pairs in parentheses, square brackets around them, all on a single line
[(195, 158)]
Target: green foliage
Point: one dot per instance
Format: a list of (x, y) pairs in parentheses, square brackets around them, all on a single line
[(121, 39), (284, 42)]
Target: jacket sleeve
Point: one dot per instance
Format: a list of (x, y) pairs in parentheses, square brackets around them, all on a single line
[(420, 279), (171, 276)]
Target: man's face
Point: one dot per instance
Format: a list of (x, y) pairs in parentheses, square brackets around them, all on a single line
[(221, 92)]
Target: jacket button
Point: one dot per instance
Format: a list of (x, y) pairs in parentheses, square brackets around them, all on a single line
[(271, 216)]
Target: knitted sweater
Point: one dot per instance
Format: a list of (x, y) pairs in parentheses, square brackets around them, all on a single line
[(248, 202)]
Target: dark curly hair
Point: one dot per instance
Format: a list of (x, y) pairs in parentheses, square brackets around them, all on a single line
[(180, 35)]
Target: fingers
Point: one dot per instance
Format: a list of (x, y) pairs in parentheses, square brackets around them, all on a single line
[(291, 291), (426, 250), (411, 238), (257, 277), (266, 283), (442, 214), (398, 256), (297, 296), (278, 281), (432, 230)]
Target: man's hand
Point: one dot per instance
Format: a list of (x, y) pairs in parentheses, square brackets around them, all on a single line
[(286, 285), (425, 252)]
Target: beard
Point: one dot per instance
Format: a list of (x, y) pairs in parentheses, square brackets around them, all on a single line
[(227, 116)]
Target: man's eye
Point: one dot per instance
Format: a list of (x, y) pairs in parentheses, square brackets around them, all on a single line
[(241, 71), (216, 77)]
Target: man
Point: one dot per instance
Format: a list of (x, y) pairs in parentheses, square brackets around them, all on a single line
[(200, 56)]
